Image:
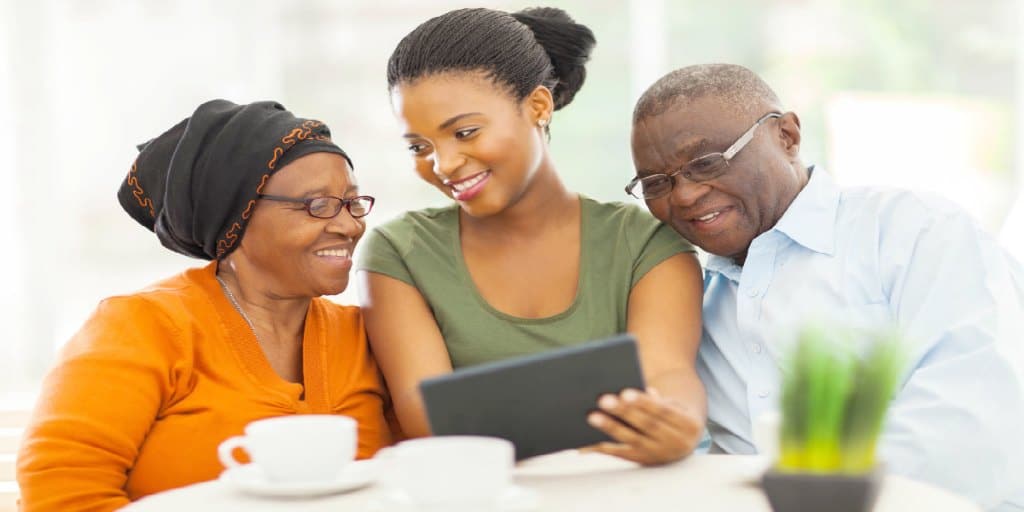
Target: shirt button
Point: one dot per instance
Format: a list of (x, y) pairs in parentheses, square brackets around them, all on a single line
[(757, 348), (753, 292), (763, 394)]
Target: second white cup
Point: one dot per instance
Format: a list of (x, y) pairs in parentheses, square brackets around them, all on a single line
[(450, 469)]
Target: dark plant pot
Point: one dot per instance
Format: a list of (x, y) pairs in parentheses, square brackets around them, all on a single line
[(805, 492)]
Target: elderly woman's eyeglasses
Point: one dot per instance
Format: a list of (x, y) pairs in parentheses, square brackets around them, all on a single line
[(704, 168), (328, 207)]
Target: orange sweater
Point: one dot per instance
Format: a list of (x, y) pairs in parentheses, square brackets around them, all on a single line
[(146, 390)]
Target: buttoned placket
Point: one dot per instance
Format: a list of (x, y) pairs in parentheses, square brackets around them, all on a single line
[(755, 280)]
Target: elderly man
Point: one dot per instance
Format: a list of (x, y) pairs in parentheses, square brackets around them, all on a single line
[(718, 159)]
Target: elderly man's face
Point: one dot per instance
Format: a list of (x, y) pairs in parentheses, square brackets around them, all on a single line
[(723, 215)]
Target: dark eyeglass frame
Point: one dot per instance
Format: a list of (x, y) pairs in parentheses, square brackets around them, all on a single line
[(720, 161), (343, 204)]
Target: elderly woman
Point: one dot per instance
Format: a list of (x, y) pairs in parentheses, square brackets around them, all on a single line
[(155, 380)]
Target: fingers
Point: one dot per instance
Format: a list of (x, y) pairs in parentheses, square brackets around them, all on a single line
[(616, 429), (649, 429), (650, 414)]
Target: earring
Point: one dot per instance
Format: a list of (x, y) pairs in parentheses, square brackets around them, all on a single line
[(542, 122)]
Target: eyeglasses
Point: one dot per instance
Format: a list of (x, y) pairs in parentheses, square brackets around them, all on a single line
[(328, 207), (704, 168)]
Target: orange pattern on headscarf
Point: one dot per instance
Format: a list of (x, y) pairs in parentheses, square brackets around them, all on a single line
[(140, 195), (290, 139)]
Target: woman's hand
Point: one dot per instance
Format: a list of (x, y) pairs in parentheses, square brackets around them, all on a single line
[(648, 428)]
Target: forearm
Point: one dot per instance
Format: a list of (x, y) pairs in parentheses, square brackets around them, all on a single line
[(54, 475), (82, 440), (407, 351), (412, 414), (683, 387), (960, 430)]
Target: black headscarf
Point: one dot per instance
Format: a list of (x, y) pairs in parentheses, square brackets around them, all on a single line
[(195, 185)]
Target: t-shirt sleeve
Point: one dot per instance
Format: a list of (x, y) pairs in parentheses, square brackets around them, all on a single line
[(96, 408), (659, 243), (377, 253)]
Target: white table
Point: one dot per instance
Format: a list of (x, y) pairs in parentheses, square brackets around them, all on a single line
[(592, 482)]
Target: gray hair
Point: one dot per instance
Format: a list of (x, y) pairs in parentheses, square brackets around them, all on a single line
[(736, 86)]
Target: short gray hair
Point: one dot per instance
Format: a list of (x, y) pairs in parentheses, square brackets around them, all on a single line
[(737, 87)]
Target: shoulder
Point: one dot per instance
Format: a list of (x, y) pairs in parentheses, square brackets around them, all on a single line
[(425, 220), (898, 202), (894, 230), (172, 296), (157, 317), (631, 227), (625, 223), (616, 213), (407, 229), (899, 212)]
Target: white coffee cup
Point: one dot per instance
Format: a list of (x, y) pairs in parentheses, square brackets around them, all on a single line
[(297, 448), (450, 470)]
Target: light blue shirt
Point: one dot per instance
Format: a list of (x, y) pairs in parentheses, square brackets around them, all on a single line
[(863, 257)]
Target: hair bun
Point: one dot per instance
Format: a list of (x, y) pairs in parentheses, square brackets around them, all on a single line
[(568, 45)]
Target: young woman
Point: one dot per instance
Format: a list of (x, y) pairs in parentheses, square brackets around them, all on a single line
[(145, 392), (519, 264)]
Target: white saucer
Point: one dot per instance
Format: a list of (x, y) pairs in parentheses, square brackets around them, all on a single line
[(251, 479), (513, 499)]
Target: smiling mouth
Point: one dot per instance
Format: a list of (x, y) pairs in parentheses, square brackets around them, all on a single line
[(467, 183), (468, 188), (709, 217), (709, 220), (335, 253)]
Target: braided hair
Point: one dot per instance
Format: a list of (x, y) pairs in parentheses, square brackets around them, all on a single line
[(517, 51)]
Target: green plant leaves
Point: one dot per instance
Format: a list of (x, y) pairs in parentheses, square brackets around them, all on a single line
[(836, 390)]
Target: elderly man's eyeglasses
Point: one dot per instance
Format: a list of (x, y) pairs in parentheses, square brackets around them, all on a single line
[(328, 207), (704, 168)]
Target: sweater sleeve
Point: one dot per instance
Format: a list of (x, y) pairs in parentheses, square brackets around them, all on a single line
[(97, 406)]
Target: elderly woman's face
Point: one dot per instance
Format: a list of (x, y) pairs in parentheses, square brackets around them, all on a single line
[(299, 255)]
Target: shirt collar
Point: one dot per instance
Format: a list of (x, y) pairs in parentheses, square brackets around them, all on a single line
[(809, 221)]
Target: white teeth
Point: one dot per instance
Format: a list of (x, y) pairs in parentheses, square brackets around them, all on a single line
[(708, 217), (340, 253), (462, 186)]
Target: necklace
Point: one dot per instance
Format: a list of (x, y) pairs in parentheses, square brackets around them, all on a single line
[(231, 297)]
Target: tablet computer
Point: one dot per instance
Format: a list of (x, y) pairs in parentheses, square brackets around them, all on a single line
[(539, 402)]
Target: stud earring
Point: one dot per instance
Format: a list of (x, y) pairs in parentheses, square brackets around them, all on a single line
[(542, 122)]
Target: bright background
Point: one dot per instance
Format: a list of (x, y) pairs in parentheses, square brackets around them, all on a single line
[(918, 93)]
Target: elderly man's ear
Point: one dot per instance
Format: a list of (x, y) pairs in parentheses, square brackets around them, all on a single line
[(789, 133)]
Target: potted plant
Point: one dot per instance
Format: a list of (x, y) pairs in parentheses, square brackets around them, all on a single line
[(837, 385)]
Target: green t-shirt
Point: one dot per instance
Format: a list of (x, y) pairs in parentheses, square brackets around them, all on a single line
[(620, 243)]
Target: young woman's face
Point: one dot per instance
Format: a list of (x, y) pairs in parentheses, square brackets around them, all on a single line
[(471, 139)]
